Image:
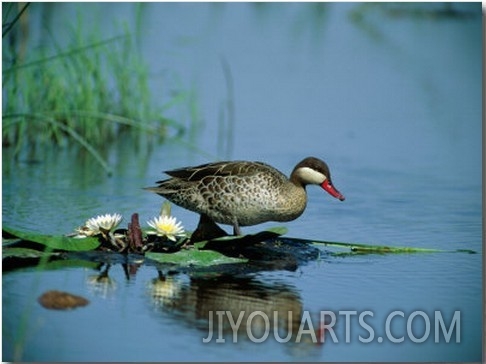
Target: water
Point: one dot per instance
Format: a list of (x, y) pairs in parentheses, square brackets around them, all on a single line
[(392, 103)]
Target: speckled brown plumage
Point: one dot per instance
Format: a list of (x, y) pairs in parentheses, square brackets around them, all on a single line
[(240, 193)]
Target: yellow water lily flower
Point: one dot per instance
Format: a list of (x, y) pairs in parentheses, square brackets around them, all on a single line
[(167, 226)]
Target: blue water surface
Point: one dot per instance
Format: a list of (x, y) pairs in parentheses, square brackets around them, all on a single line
[(388, 94)]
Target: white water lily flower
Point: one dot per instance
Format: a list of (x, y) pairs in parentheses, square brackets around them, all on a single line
[(166, 226), (101, 223)]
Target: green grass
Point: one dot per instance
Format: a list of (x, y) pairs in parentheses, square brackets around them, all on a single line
[(89, 93)]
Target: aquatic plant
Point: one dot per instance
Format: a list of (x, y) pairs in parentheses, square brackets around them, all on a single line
[(166, 242), (89, 93), (166, 226), (99, 224)]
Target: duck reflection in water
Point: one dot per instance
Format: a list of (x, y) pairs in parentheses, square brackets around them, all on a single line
[(229, 309)]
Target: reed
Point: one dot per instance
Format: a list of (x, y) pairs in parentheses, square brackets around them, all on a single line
[(89, 93)]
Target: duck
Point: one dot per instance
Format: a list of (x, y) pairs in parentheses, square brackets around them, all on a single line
[(244, 193)]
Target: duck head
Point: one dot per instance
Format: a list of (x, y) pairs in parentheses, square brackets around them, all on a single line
[(316, 172)]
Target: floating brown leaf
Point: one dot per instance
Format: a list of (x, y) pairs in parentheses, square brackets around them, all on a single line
[(58, 300)]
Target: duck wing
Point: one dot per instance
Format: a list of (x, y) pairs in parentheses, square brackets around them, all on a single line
[(218, 169)]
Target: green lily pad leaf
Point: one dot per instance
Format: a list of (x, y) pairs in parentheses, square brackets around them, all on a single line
[(55, 242), (356, 248), (23, 253), (194, 257), (204, 253), (260, 236), (279, 230), (379, 249)]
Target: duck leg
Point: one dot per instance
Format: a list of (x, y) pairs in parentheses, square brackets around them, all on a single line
[(236, 228), (206, 230)]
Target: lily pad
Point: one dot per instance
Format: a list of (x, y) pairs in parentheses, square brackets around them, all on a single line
[(55, 242), (24, 253), (194, 257), (272, 232), (356, 248)]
